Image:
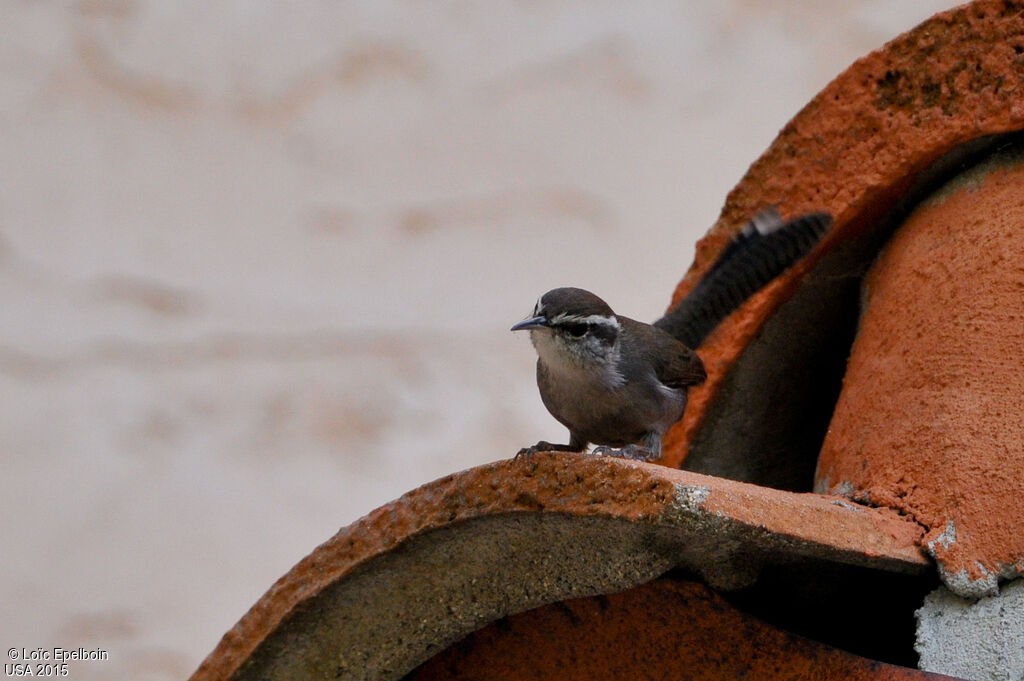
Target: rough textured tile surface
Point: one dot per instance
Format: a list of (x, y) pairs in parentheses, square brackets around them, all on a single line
[(930, 421)]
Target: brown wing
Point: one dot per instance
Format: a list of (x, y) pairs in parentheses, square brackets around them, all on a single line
[(675, 364), (682, 369)]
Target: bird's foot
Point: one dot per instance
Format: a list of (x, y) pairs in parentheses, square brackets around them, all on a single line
[(634, 452), (542, 446)]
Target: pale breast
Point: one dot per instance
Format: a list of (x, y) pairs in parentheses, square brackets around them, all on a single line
[(606, 413)]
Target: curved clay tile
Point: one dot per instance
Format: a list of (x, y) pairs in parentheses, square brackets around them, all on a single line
[(929, 420), (863, 149), (688, 632), (404, 582)]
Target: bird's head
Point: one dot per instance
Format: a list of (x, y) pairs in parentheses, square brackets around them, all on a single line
[(572, 326)]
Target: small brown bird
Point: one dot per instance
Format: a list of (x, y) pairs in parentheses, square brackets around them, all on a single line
[(619, 383)]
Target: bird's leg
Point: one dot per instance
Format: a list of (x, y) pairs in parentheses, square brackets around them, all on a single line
[(650, 450), (576, 444), (638, 453)]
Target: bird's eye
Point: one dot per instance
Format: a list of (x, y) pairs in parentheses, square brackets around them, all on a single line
[(578, 330)]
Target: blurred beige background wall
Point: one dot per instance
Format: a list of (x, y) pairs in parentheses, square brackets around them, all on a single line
[(259, 260)]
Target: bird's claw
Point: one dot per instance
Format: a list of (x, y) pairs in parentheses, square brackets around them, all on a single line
[(526, 453), (542, 446)]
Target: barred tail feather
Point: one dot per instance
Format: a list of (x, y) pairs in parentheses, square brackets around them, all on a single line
[(765, 248)]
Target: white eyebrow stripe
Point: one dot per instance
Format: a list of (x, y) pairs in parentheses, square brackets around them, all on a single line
[(589, 319)]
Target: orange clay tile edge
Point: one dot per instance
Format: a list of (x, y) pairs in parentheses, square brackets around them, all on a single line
[(856, 147), (579, 486)]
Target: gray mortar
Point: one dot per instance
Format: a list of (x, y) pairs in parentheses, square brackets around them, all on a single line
[(980, 640), (691, 497), (962, 585)]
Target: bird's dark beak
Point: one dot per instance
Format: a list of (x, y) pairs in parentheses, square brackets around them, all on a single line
[(532, 323)]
